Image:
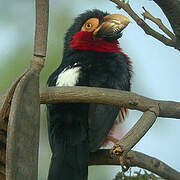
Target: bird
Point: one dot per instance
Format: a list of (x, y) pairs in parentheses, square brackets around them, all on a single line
[(91, 57)]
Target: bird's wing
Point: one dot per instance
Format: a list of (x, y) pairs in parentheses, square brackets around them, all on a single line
[(101, 119)]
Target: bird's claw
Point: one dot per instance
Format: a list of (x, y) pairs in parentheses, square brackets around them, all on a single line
[(123, 165), (117, 150)]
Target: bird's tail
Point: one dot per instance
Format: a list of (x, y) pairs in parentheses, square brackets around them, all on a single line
[(69, 162)]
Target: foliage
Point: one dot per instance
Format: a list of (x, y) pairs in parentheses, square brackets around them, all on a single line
[(137, 175)]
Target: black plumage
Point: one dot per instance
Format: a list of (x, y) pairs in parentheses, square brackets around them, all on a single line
[(77, 129)]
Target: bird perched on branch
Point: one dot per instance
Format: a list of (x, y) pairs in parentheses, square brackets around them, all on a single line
[(91, 57)]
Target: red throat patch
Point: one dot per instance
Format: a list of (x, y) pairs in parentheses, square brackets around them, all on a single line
[(87, 42)]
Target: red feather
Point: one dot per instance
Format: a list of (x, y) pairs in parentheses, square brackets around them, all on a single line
[(115, 132), (87, 42)]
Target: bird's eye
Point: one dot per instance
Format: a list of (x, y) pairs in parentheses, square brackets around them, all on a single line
[(88, 26)]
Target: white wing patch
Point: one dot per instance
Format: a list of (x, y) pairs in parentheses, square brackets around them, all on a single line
[(68, 77)]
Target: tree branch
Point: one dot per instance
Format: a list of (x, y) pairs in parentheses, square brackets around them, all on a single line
[(134, 134), (171, 9), (5, 103), (130, 100), (133, 159), (42, 16), (5, 100), (151, 108), (24, 117), (41, 34), (158, 22), (147, 29)]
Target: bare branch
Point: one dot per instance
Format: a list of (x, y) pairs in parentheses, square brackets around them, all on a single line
[(23, 125), (158, 22), (147, 29), (22, 160), (5, 103), (151, 108), (133, 159), (130, 100), (6, 99), (126, 99), (171, 9), (41, 34), (135, 134), (42, 14)]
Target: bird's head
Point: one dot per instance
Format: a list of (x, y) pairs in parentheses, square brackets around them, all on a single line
[(95, 31)]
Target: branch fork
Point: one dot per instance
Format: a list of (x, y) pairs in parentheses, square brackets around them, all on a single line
[(158, 22), (135, 134), (147, 29)]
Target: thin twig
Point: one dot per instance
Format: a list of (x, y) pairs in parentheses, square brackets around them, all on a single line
[(147, 29), (158, 22), (171, 9), (133, 159)]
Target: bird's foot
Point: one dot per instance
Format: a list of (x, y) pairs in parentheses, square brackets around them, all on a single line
[(117, 150)]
